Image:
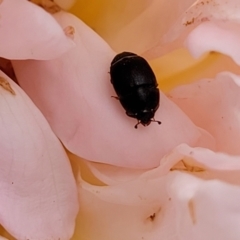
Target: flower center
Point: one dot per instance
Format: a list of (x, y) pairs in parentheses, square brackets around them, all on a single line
[(179, 68)]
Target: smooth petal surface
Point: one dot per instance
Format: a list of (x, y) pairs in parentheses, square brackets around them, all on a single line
[(38, 191), (205, 10), (74, 93), (214, 105), (213, 208), (181, 199), (137, 206), (219, 23), (112, 175), (107, 17), (150, 25), (221, 37), (28, 32)]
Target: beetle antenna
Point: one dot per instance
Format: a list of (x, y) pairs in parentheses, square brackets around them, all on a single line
[(137, 124), (153, 120)]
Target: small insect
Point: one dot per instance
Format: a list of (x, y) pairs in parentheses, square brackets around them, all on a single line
[(136, 87)]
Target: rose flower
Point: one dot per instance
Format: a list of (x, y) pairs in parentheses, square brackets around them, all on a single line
[(177, 180)]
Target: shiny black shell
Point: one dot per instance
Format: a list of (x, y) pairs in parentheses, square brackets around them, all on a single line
[(136, 87)]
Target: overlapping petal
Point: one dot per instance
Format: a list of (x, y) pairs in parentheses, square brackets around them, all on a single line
[(150, 25), (218, 21), (109, 16), (211, 208), (219, 36), (168, 205), (38, 191), (74, 93), (214, 106), (207, 10), (29, 32)]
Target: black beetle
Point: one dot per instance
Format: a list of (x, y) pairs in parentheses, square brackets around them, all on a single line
[(136, 87)]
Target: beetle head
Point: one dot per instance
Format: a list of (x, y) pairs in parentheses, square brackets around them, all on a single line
[(145, 118)]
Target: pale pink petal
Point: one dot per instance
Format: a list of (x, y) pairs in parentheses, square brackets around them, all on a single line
[(112, 175), (29, 32), (38, 192), (203, 163), (106, 221), (214, 105), (205, 10), (74, 93), (219, 23), (138, 209), (205, 209), (223, 37), (164, 203)]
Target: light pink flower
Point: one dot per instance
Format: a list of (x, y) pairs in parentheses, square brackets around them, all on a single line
[(192, 188)]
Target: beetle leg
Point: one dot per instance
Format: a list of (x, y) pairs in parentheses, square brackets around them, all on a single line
[(137, 124), (115, 97), (153, 120)]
